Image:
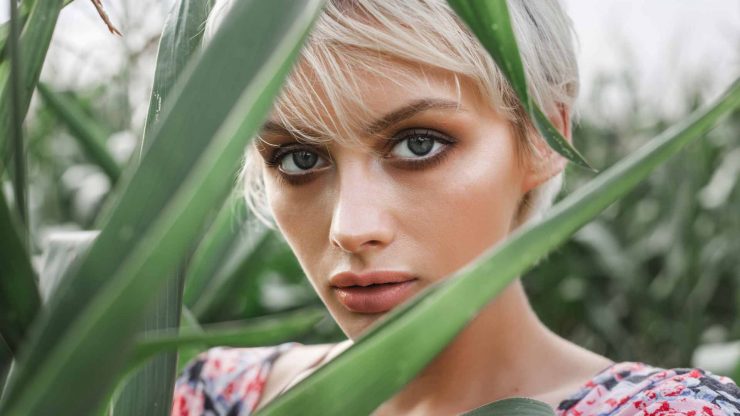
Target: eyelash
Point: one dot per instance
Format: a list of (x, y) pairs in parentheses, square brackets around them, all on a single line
[(275, 158)]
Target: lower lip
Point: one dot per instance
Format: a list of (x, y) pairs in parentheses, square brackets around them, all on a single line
[(375, 298)]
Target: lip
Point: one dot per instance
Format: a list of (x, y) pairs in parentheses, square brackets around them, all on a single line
[(373, 292)]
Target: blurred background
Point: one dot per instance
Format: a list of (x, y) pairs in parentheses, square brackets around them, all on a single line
[(656, 278)]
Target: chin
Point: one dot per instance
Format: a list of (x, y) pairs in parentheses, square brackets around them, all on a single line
[(354, 325)]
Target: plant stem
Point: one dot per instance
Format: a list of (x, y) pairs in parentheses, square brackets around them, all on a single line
[(19, 162)]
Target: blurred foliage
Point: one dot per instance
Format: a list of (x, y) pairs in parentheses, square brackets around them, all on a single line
[(656, 275)]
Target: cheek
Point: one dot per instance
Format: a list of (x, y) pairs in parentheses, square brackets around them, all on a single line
[(293, 223), (301, 220), (468, 206)]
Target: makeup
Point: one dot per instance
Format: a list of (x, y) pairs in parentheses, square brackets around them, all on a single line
[(375, 298)]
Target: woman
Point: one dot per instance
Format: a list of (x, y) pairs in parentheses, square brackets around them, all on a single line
[(396, 154)]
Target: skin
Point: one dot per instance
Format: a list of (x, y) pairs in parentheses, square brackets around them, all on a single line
[(366, 208)]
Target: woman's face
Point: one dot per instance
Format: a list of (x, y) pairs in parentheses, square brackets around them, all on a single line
[(436, 185)]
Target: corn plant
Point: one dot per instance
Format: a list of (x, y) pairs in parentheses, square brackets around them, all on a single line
[(104, 337)]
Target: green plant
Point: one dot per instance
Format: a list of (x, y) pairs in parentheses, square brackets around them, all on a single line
[(116, 301), (120, 279)]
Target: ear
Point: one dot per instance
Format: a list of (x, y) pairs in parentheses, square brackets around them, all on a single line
[(546, 163)]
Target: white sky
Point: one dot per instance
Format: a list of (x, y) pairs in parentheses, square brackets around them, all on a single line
[(662, 42)]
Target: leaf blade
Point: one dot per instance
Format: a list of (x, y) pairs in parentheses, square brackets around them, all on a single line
[(517, 406), (19, 295), (174, 211), (149, 390), (33, 44), (254, 333), (490, 21), (89, 133)]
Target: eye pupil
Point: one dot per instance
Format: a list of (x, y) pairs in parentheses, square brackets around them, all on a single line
[(305, 159), (420, 145)]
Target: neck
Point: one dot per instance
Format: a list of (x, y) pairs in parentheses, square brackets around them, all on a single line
[(501, 353)]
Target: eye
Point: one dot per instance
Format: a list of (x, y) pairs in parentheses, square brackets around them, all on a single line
[(299, 161), (419, 144)]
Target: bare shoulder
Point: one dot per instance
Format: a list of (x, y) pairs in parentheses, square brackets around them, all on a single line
[(296, 364)]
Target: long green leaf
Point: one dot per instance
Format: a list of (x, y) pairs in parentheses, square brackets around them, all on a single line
[(253, 333), (415, 333), (181, 37), (491, 23), (149, 390), (96, 311), (5, 29), (188, 323), (213, 249), (517, 406), (19, 294), (90, 134), (25, 8), (245, 262), (33, 44), (15, 125)]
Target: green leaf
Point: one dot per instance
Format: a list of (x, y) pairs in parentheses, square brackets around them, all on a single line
[(19, 295), (215, 108), (245, 261), (188, 323), (491, 23), (90, 134), (24, 9), (181, 37), (413, 334), (517, 406), (33, 44), (149, 391), (214, 248), (15, 124), (252, 333)]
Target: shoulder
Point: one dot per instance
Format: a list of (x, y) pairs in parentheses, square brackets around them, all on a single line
[(225, 380), (638, 389)]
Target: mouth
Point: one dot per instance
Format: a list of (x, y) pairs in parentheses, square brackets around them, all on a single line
[(373, 293)]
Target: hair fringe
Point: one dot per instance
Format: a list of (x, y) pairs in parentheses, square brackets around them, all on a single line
[(356, 37)]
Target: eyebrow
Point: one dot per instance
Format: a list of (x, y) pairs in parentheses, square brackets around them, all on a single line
[(394, 117), (409, 110)]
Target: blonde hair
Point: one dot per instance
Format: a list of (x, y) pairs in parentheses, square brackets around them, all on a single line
[(352, 36)]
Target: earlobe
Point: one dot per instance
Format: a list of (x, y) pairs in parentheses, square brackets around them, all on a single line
[(546, 163)]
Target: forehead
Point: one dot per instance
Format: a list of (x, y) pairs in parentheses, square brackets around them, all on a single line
[(364, 97)]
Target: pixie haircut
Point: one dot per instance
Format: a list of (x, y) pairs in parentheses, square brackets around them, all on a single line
[(389, 37)]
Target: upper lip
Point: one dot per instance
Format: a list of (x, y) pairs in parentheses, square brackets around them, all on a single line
[(347, 279)]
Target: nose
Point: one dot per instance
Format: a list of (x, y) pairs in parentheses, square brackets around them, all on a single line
[(362, 217)]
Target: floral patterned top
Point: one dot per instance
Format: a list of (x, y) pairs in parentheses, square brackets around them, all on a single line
[(230, 381)]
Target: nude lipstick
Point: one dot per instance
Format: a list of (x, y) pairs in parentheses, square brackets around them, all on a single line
[(373, 292)]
